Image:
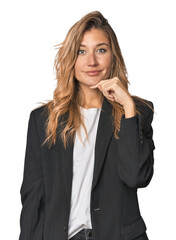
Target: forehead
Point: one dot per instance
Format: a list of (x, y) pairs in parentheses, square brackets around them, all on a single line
[(94, 36)]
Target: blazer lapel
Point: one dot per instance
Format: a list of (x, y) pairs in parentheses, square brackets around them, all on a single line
[(104, 133)]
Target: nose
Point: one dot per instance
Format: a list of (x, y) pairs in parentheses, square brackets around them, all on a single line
[(92, 60)]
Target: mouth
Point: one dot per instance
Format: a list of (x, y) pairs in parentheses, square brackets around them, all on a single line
[(93, 73)]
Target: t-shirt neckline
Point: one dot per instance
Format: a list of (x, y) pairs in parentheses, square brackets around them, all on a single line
[(89, 109)]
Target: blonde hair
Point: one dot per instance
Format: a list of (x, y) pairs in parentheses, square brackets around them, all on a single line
[(65, 98)]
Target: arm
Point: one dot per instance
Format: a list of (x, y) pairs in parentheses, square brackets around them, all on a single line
[(32, 188), (135, 150)]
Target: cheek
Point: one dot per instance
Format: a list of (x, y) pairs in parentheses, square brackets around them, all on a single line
[(107, 66), (78, 66), (107, 62), (76, 69)]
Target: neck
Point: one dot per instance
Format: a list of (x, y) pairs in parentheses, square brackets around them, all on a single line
[(92, 99)]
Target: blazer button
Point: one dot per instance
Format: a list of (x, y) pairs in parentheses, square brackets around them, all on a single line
[(90, 234), (96, 209), (65, 227)]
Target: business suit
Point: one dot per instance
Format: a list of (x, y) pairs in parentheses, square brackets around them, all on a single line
[(121, 166)]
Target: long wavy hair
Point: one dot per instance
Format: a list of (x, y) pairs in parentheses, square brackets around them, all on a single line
[(65, 97)]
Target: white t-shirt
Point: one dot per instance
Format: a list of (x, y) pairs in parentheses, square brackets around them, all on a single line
[(83, 166)]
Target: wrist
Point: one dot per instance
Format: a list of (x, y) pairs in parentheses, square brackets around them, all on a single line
[(130, 109)]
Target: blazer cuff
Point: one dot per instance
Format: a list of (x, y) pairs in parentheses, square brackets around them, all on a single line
[(130, 125)]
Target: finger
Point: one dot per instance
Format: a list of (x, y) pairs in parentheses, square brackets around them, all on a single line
[(110, 98), (93, 87), (96, 85)]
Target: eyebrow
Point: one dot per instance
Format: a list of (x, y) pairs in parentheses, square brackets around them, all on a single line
[(82, 45)]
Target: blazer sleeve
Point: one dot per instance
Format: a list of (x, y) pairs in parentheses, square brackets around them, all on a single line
[(32, 188), (135, 151)]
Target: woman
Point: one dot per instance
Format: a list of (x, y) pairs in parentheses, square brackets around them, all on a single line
[(90, 148)]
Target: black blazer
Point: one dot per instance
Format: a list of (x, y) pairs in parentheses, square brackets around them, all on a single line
[(121, 166)]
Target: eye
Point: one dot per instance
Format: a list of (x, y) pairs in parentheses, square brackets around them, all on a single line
[(104, 50), (80, 51)]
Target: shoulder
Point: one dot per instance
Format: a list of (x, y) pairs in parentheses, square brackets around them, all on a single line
[(145, 106), (39, 112), (39, 116)]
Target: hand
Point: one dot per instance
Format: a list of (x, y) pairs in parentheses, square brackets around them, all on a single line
[(114, 90)]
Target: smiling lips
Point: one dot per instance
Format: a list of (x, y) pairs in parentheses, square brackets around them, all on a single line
[(93, 73)]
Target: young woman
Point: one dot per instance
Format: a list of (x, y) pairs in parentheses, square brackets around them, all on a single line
[(90, 148)]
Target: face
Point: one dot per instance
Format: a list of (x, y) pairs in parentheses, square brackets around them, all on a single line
[(94, 58)]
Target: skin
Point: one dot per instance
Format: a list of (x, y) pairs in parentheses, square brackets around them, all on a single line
[(92, 89)]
